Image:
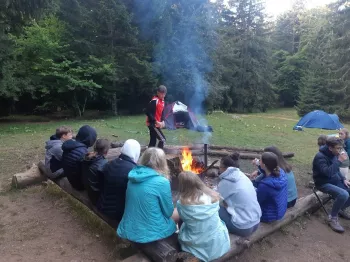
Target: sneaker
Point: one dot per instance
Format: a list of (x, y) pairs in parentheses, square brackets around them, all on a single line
[(344, 214), (334, 224)]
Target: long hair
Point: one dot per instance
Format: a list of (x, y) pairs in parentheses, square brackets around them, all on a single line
[(155, 158), (191, 188), (270, 160), (230, 161), (282, 163)]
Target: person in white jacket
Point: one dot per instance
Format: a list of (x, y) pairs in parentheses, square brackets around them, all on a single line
[(240, 209)]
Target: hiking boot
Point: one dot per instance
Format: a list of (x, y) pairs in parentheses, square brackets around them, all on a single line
[(334, 224), (344, 214)]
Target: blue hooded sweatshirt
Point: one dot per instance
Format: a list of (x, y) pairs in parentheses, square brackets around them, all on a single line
[(202, 233), (272, 196), (148, 207)]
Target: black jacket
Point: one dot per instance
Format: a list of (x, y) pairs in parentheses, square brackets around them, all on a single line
[(325, 168), (112, 199), (92, 174), (73, 154)]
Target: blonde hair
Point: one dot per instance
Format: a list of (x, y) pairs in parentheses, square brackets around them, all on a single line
[(346, 132), (191, 188), (155, 158)]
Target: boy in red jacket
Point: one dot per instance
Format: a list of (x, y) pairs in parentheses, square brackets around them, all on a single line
[(154, 121)]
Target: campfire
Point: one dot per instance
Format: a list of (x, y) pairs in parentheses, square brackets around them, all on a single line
[(189, 163)]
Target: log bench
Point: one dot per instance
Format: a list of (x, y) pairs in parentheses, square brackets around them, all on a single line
[(168, 250)]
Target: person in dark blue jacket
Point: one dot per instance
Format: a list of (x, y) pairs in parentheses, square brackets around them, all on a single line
[(272, 190), (328, 179), (112, 198), (73, 153), (92, 168)]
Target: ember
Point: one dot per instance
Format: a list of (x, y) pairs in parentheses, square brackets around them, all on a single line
[(188, 163)]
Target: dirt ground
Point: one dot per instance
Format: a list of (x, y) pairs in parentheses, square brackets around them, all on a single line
[(36, 225)]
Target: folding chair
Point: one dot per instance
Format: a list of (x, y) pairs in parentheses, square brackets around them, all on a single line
[(314, 189)]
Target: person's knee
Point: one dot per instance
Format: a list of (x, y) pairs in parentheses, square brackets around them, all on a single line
[(343, 195)]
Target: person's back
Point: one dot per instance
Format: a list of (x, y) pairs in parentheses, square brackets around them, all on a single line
[(240, 196), (53, 155), (202, 232), (148, 207), (272, 196), (112, 199), (92, 169), (73, 153)]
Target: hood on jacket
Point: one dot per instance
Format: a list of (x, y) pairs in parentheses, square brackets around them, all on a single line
[(51, 143), (325, 150), (232, 174), (141, 173), (71, 144), (197, 212), (87, 135), (276, 182), (132, 149)]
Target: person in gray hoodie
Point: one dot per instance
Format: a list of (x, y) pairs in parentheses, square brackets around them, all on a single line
[(53, 155), (240, 209)]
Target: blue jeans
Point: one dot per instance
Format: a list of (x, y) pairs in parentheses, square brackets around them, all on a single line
[(226, 217), (339, 193)]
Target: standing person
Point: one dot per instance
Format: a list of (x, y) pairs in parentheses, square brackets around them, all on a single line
[(344, 167), (287, 168), (241, 211), (328, 179), (149, 213), (154, 120), (115, 181), (92, 167), (272, 189), (202, 233), (73, 154), (53, 155)]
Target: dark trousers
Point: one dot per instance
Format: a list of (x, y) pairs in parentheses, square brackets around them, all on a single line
[(155, 133), (339, 193)]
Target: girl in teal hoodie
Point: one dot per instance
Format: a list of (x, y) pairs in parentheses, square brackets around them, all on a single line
[(149, 209), (202, 233)]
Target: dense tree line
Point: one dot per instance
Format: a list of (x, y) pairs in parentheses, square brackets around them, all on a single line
[(110, 54)]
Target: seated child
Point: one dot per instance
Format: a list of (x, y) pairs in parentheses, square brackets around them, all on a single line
[(241, 212), (53, 155), (287, 168), (74, 152), (202, 233), (92, 167), (272, 189), (115, 180)]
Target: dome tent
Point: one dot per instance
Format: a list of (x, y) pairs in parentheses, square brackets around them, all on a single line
[(178, 115), (319, 119)]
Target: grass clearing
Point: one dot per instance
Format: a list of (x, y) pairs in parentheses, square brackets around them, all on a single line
[(22, 143)]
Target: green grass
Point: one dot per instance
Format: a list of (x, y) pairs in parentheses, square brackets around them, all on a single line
[(22, 143)]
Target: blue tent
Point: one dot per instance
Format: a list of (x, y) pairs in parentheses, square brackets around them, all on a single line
[(319, 119)]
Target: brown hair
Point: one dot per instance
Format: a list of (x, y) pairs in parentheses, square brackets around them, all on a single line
[(334, 141), (155, 158), (321, 140), (231, 160), (102, 146), (282, 163), (270, 160), (162, 89), (63, 130), (346, 131), (191, 188)]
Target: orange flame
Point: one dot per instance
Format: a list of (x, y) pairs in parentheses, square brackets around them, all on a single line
[(187, 162)]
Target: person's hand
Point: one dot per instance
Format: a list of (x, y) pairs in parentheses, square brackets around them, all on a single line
[(158, 124), (347, 183), (255, 162), (342, 157), (253, 175)]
